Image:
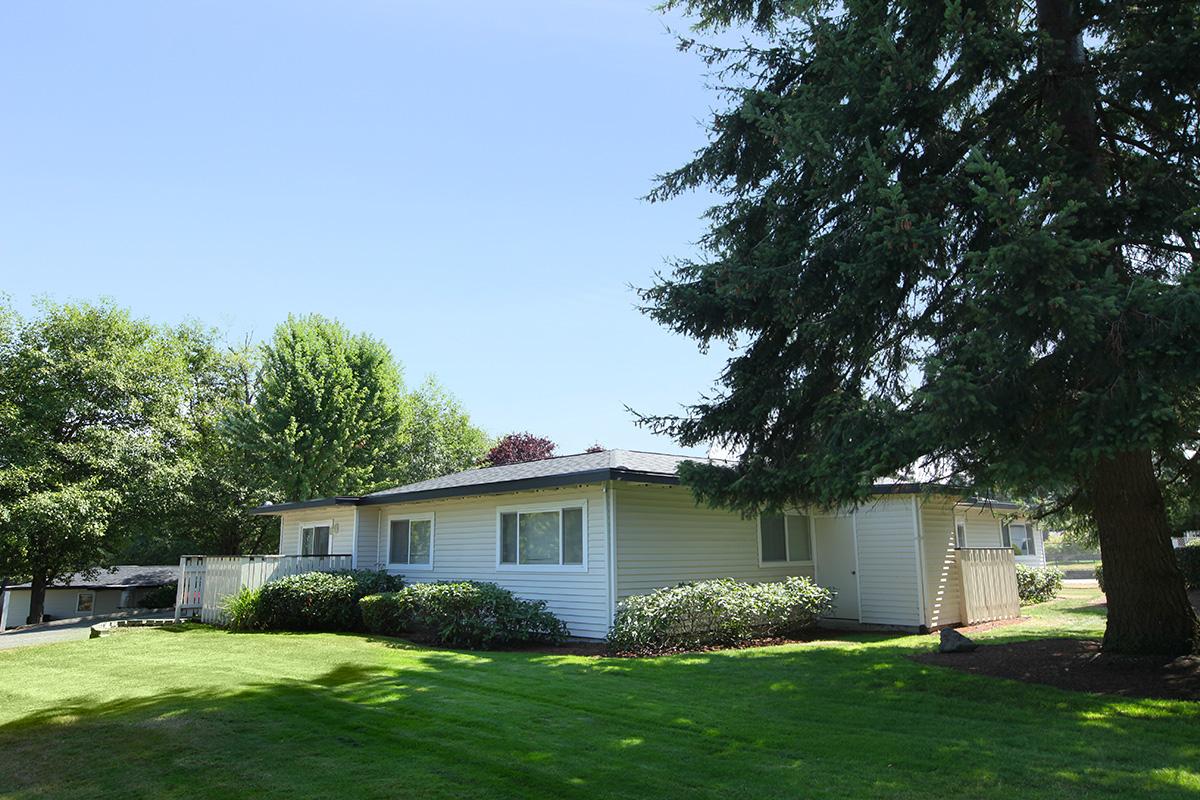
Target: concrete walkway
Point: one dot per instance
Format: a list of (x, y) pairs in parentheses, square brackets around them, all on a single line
[(68, 630)]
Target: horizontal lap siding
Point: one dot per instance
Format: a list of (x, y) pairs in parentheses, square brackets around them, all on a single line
[(943, 603), (887, 563), (983, 527), (341, 538), (369, 554), (664, 538), (464, 548)]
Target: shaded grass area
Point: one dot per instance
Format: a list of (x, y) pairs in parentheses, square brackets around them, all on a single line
[(205, 713)]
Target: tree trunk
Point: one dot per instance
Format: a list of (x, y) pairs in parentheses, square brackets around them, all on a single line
[(37, 599), (1148, 607)]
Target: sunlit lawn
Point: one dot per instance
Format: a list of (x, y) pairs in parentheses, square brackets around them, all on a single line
[(202, 713)]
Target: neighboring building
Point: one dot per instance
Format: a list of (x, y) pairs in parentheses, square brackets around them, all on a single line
[(108, 591), (584, 531)]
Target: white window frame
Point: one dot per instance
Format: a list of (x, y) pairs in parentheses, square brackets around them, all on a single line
[(411, 519), (812, 541), (960, 524), (533, 508), (1028, 526), (319, 524), (79, 596)]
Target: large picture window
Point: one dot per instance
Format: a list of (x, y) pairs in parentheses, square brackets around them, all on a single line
[(785, 538), (542, 536), (1019, 536), (410, 541)]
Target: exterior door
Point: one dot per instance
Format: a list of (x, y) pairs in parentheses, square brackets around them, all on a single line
[(836, 563)]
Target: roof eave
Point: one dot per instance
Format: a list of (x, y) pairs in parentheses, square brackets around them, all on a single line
[(320, 502)]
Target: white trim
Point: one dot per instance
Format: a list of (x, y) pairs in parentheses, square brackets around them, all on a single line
[(380, 556), (812, 548), (318, 524), (534, 508), (919, 543), (857, 581), (354, 542), (423, 517), (79, 596), (610, 524), (282, 528), (6, 599)]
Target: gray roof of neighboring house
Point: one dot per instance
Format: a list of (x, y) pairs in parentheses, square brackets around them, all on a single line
[(606, 465), (126, 576)]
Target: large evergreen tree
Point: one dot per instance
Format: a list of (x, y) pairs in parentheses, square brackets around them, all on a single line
[(961, 234)]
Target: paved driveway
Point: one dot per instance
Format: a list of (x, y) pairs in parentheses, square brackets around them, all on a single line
[(66, 630)]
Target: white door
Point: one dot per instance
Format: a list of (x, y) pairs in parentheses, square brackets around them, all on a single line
[(836, 563)]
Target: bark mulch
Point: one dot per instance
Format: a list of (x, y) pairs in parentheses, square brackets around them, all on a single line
[(1078, 665)]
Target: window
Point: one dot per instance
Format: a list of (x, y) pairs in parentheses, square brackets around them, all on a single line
[(1019, 536), (542, 536), (960, 533), (410, 541), (784, 538), (314, 539), (85, 602)]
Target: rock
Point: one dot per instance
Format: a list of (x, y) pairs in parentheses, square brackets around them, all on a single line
[(955, 642)]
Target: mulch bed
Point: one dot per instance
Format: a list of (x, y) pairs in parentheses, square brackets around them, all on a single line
[(1078, 665)]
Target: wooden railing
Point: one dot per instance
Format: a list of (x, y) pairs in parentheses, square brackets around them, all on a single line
[(988, 576), (206, 582)]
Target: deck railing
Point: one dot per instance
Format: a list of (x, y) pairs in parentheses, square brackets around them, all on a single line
[(205, 582), (988, 577)]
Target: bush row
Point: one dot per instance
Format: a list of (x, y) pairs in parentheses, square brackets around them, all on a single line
[(715, 613), (1038, 584), (462, 614), (312, 601)]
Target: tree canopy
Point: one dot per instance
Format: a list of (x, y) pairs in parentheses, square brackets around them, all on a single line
[(958, 235)]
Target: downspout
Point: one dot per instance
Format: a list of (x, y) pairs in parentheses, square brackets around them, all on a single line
[(610, 518), (354, 542), (919, 543), (4, 604)]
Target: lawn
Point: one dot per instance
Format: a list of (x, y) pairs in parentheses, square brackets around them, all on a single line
[(203, 713)]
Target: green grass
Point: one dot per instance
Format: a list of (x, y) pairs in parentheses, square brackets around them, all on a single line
[(202, 713)]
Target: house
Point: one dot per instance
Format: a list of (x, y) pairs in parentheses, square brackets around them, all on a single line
[(584, 531), (78, 595)]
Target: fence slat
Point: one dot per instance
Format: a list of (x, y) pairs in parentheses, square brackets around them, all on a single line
[(206, 582), (988, 578)]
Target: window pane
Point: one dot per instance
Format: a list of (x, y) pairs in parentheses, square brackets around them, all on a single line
[(538, 536), (508, 538), (306, 535), (572, 522), (398, 554), (421, 532), (960, 534), (1020, 538), (774, 544), (799, 541), (84, 602), (321, 540)]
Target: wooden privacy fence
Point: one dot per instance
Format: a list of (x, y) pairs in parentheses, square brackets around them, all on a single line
[(988, 576), (205, 582)]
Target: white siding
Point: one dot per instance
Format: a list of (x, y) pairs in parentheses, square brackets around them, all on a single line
[(983, 530), (341, 537), (465, 548), (888, 577), (370, 555), (60, 604), (664, 538), (943, 603)]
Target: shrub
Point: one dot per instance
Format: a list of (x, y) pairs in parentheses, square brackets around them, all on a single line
[(721, 612), (1038, 584), (1189, 563), (242, 610), (1100, 576), (160, 596), (317, 601), (463, 614)]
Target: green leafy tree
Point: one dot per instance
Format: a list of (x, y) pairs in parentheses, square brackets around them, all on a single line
[(328, 413), (437, 436), (88, 400), (958, 234)]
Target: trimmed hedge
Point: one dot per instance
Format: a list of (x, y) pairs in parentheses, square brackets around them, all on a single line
[(714, 613), (312, 601), (469, 614), (1038, 584)]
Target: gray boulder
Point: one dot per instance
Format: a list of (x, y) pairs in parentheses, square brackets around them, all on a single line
[(955, 642)]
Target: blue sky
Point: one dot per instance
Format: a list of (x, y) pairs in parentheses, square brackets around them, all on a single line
[(461, 180)]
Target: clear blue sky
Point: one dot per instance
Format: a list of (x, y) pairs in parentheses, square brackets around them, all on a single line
[(461, 180)]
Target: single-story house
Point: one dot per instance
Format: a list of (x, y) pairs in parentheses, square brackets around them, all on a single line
[(584, 531), (79, 595)]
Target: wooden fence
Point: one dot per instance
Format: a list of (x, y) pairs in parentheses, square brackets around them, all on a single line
[(205, 582), (989, 584)]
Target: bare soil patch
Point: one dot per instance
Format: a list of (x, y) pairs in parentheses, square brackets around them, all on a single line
[(1078, 665)]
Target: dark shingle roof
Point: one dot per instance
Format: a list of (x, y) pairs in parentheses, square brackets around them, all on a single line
[(126, 576)]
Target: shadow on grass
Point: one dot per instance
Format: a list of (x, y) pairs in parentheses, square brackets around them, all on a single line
[(405, 720)]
